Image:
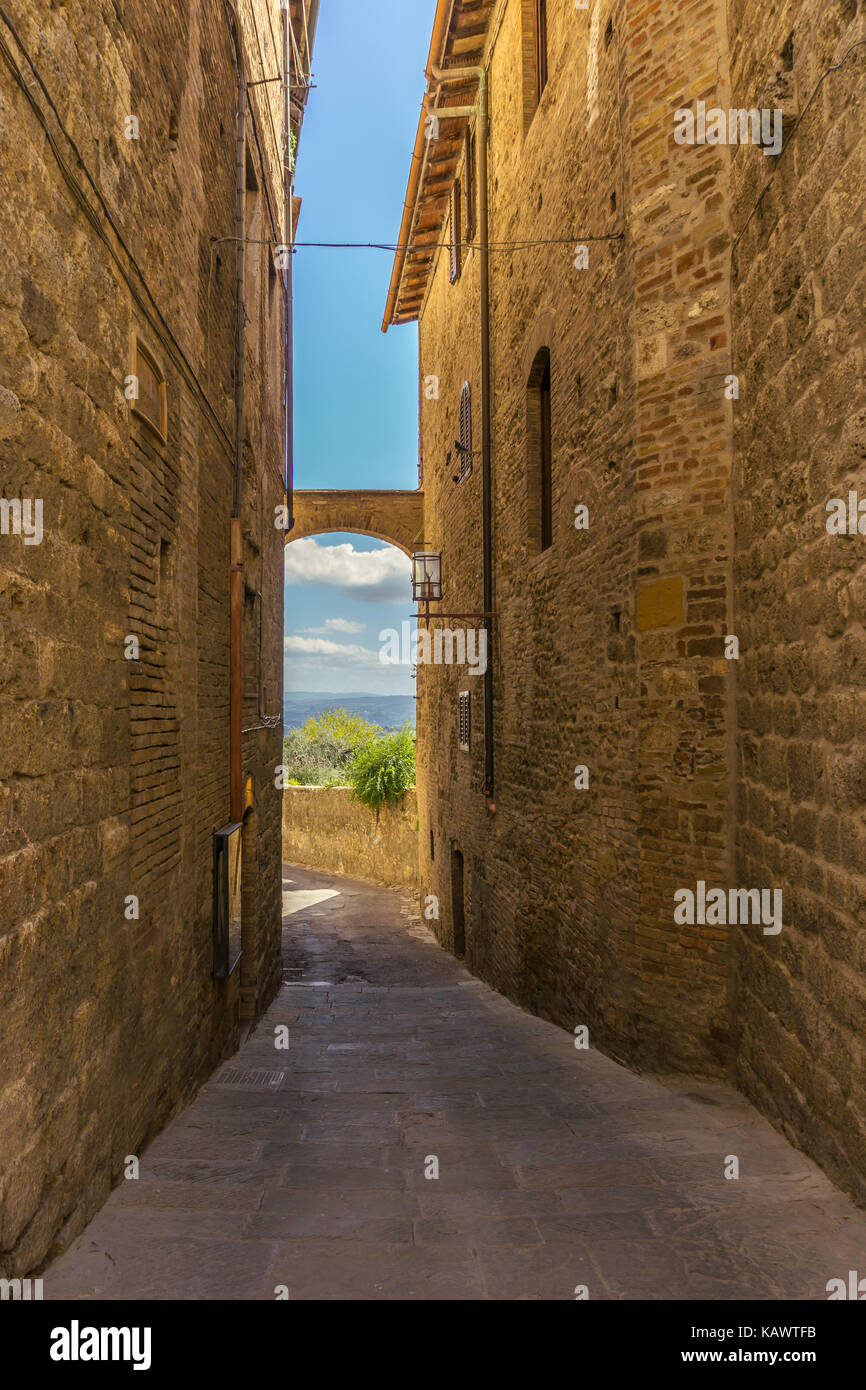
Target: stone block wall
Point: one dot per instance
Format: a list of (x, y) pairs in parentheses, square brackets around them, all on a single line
[(325, 828), (389, 514), (799, 998), (113, 772)]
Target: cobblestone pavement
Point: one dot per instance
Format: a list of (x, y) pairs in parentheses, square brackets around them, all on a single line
[(557, 1168)]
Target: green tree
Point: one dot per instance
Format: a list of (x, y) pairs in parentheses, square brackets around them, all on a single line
[(382, 771), (320, 753)]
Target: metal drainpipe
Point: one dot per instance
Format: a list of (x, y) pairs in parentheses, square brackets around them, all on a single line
[(236, 551), (486, 433), (444, 75), (288, 284)]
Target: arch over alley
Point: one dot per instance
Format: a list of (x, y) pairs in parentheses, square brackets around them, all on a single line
[(388, 514)]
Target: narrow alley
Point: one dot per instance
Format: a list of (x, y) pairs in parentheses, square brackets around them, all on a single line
[(307, 1173)]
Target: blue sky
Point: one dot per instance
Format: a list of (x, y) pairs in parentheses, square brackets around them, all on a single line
[(356, 392)]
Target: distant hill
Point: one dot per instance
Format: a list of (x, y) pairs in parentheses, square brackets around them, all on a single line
[(390, 711)]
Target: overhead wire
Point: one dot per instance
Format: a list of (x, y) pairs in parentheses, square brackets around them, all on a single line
[(151, 312), (576, 239)]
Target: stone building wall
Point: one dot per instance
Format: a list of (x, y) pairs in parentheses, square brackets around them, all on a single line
[(799, 1001), (736, 272), (608, 645), (114, 773)]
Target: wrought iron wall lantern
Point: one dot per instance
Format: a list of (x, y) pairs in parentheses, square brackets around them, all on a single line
[(427, 586), (427, 576)]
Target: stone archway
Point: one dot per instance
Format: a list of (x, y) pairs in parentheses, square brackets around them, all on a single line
[(387, 514)]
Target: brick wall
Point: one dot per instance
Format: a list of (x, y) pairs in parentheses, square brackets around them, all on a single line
[(799, 1002), (114, 773)]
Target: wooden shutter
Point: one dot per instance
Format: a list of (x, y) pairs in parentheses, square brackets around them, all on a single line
[(469, 187), (465, 430), (454, 230)]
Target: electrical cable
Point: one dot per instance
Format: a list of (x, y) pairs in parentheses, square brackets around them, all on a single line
[(154, 315), (577, 239), (434, 246), (834, 67), (161, 329)]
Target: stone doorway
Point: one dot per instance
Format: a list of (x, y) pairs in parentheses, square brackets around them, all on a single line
[(458, 910)]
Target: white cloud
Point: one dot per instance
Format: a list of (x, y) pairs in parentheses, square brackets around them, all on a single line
[(312, 647), (376, 575), (317, 663), (335, 625)]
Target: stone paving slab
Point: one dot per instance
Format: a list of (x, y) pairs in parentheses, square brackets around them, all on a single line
[(557, 1168)]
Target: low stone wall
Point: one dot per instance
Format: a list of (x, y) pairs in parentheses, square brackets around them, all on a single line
[(324, 828)]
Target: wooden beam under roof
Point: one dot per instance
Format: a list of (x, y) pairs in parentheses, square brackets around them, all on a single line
[(459, 39)]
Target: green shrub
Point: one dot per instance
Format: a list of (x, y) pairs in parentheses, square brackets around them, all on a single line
[(383, 771), (320, 753)]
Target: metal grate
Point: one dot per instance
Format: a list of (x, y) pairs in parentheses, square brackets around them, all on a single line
[(464, 720), (237, 1078)]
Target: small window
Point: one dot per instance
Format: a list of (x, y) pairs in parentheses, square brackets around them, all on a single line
[(252, 255), (275, 332), (164, 564), (534, 16), (465, 442), (469, 187), (464, 720), (539, 455), (454, 230), (546, 460), (150, 399), (540, 48)]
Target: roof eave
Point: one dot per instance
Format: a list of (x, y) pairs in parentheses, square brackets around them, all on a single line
[(444, 10)]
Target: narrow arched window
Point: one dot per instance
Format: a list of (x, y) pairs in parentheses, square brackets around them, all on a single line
[(540, 48), (539, 455), (534, 24)]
